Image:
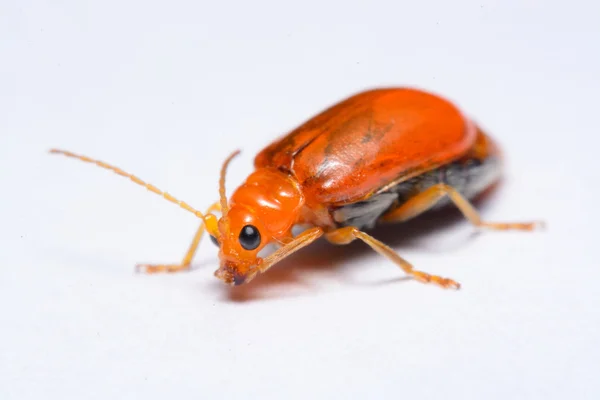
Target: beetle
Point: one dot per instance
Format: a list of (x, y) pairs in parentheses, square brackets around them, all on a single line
[(384, 155)]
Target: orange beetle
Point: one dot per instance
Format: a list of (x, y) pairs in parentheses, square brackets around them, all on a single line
[(383, 155)]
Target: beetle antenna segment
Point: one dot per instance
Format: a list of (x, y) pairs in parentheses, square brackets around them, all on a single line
[(222, 193), (133, 178)]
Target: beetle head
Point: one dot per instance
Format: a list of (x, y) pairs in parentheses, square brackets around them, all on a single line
[(241, 237)]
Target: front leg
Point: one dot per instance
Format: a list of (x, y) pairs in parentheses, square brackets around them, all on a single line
[(293, 245), (349, 234), (187, 259)]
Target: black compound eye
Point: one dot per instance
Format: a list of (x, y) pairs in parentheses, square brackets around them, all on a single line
[(214, 240), (249, 237)]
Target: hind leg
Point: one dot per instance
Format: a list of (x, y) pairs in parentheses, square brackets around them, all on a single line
[(429, 197)]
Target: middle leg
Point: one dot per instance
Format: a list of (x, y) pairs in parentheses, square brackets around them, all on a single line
[(348, 234)]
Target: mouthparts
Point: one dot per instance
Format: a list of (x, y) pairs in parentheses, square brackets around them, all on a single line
[(229, 275)]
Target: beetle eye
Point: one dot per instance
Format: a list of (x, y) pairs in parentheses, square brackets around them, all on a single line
[(214, 240), (249, 237)]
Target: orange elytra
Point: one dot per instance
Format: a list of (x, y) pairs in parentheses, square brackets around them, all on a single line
[(383, 155)]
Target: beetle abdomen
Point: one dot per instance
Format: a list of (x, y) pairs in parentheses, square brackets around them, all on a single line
[(470, 175)]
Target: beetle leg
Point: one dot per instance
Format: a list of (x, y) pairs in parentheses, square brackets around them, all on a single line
[(429, 197), (350, 233), (300, 241), (187, 260)]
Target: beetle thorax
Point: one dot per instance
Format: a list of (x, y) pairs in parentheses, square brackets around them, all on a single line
[(274, 197)]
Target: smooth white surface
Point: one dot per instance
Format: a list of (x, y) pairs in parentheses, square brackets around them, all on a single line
[(168, 89)]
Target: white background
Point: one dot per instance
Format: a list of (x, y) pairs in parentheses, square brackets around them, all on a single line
[(168, 89)]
